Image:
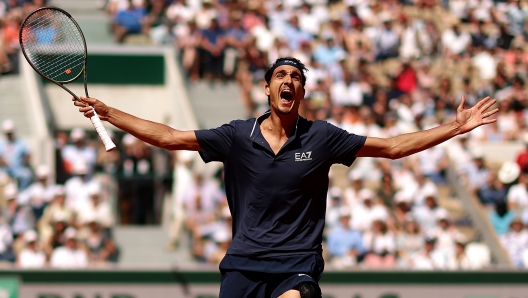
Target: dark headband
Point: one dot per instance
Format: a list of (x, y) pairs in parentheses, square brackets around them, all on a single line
[(287, 62)]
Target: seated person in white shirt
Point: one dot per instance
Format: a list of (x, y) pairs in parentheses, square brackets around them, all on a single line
[(71, 255), (39, 193), (99, 209), (32, 255), (429, 258)]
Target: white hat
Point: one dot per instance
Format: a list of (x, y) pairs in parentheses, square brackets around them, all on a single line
[(59, 217), (355, 175), (365, 194), (58, 190), (129, 140), (70, 233), (344, 211), (89, 217), (8, 125), (77, 134), (42, 171), (30, 236), (94, 190), (334, 192), (402, 196), (222, 235), (430, 192), (10, 191), (442, 214), (508, 172), (477, 153)]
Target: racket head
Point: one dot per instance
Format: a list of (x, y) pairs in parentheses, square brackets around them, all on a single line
[(53, 44)]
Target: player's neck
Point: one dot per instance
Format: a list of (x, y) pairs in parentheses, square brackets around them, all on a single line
[(280, 125)]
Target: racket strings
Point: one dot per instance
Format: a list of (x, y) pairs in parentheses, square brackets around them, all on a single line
[(54, 45)]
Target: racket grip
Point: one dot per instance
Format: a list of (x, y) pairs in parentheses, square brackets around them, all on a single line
[(101, 131)]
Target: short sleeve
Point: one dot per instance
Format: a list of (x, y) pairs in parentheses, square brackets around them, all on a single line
[(343, 145), (215, 143)]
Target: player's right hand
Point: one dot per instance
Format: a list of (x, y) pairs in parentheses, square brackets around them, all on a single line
[(87, 103)]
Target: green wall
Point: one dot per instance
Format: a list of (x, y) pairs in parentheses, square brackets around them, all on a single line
[(124, 69)]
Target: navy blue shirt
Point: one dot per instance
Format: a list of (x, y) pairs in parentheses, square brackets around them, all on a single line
[(278, 202)]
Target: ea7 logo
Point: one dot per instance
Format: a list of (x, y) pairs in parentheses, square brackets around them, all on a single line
[(304, 156)]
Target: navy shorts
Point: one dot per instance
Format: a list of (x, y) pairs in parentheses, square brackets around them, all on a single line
[(267, 277)]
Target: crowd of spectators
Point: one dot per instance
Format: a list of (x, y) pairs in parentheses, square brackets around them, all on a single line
[(45, 224), (376, 68), (12, 13)]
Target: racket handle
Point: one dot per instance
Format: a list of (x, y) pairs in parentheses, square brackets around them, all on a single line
[(103, 134)]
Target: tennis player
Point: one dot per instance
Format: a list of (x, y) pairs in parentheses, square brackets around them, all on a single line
[(276, 176)]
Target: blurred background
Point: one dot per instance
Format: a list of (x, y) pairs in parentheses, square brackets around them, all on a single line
[(376, 68)]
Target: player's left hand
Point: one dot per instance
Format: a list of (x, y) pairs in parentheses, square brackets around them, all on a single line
[(469, 119)]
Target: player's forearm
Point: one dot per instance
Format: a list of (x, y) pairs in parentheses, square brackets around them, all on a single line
[(157, 134), (407, 144)]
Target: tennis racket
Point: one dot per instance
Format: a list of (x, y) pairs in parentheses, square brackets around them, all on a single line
[(54, 45)]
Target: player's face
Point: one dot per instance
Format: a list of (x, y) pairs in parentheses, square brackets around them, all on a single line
[(285, 89)]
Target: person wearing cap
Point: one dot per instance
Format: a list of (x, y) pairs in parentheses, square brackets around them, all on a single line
[(428, 214), (515, 242), (78, 187), (517, 196), (14, 156), (380, 244), (6, 241), (39, 193), (99, 244), (276, 170), (32, 256), (494, 190), (478, 172), (409, 240), (71, 255), (351, 191), (19, 217), (98, 209), (371, 209), (446, 234), (78, 151), (386, 40), (345, 245), (429, 258)]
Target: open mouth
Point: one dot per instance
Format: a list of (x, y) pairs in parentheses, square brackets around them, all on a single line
[(286, 94)]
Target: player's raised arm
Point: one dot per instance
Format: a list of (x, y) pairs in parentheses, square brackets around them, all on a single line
[(156, 134), (407, 144)]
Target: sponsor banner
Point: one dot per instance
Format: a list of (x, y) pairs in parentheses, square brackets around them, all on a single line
[(105, 290)]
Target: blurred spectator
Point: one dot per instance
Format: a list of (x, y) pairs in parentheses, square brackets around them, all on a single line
[(334, 207), (295, 35), (183, 176), (39, 194), (371, 210), (56, 211), (188, 40), (410, 241), (212, 51), (345, 245), (136, 184), (517, 197), (429, 258), (6, 242), (522, 157), (515, 241), (428, 215), (445, 234), (208, 190), (79, 186), (14, 156), (78, 152), (351, 192), (493, 192), (380, 246), (19, 217), (459, 259), (477, 172), (387, 40), (98, 210), (128, 20), (455, 42), (101, 248), (32, 255), (71, 255), (501, 218)]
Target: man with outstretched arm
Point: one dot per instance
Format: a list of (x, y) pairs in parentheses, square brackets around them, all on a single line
[(276, 177)]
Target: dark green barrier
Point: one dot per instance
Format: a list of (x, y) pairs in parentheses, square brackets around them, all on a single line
[(124, 69)]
